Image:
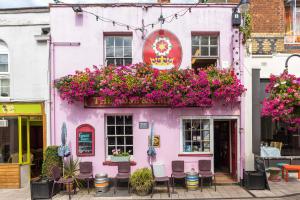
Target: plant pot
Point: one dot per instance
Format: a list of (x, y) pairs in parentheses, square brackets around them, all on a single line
[(69, 187), (42, 188), (120, 158), (142, 193)]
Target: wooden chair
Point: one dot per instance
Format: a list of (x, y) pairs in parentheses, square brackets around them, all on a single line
[(58, 179), (204, 167), (177, 172), (123, 174), (159, 178), (85, 173)]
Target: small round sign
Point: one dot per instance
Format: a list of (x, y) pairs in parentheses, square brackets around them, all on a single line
[(162, 50)]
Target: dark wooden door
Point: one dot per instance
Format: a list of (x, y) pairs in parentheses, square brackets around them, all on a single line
[(233, 125)]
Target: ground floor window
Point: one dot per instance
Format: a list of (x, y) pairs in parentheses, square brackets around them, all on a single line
[(196, 135), (119, 133)]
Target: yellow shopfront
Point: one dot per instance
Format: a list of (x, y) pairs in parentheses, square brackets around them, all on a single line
[(22, 141)]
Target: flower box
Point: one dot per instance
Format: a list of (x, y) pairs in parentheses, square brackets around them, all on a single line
[(120, 158)]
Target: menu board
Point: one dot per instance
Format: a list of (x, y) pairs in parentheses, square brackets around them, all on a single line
[(85, 141)]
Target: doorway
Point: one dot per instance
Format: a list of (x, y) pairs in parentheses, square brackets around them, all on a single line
[(225, 148)]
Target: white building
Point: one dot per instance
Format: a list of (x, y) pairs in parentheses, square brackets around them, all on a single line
[(24, 92)]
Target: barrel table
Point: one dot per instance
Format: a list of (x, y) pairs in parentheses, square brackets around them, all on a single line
[(192, 180), (101, 183)]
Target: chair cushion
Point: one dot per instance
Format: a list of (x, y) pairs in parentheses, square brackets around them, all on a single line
[(161, 179), (205, 174), (123, 175), (178, 175), (65, 180), (84, 176)]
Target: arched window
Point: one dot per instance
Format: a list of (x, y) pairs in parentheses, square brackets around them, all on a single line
[(4, 70), (85, 140)]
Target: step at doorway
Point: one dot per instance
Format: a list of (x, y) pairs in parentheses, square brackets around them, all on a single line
[(224, 178)]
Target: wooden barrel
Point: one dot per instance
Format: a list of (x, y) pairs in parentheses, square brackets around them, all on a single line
[(101, 183), (192, 180)]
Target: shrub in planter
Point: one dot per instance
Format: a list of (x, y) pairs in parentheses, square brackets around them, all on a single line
[(71, 169), (51, 159), (141, 181)]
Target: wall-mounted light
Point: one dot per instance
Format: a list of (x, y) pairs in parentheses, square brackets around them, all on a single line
[(243, 7), (77, 9)]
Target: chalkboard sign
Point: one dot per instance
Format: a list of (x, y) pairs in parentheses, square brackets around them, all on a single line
[(85, 140)]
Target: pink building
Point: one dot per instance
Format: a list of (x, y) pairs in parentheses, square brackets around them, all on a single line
[(95, 37)]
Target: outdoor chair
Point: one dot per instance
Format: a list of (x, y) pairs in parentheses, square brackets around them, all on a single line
[(158, 173), (177, 172), (85, 173), (123, 174), (58, 179), (204, 167)]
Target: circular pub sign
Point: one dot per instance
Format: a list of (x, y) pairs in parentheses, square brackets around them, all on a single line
[(162, 50)]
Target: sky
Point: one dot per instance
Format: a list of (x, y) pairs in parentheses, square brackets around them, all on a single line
[(42, 3)]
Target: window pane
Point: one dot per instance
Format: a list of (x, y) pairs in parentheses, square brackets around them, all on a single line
[(109, 41), (119, 52), (187, 124), (128, 120), (204, 51), (120, 140), (119, 130), (195, 51), (130, 149), (127, 41), (119, 41), (196, 124), (111, 140), (110, 61), (121, 148), (4, 87), (129, 140), (213, 51), (110, 149), (205, 135), (197, 147), (109, 51), (205, 124), (127, 52), (110, 120), (128, 61), (213, 40), (188, 135), (195, 40), (119, 61), (3, 68), (3, 58), (204, 40), (119, 120), (9, 141), (128, 130), (111, 130)]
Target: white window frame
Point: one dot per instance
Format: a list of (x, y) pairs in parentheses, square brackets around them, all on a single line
[(114, 57), (211, 134), (5, 75), (106, 131)]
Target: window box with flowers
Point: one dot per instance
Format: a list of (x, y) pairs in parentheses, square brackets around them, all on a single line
[(119, 156)]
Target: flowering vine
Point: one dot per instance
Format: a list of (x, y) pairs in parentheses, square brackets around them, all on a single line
[(142, 84), (283, 103)]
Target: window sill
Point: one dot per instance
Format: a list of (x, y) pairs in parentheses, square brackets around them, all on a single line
[(196, 154), (110, 163)]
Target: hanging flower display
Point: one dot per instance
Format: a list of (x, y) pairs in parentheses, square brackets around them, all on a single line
[(142, 84), (283, 102)]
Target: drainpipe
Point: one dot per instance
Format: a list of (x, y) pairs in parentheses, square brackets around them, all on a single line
[(52, 89)]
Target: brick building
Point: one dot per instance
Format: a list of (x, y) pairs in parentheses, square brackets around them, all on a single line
[(275, 36)]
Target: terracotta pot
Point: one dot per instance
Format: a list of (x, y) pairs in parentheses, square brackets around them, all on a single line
[(69, 187)]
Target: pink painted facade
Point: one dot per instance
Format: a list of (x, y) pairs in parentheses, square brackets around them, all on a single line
[(78, 42)]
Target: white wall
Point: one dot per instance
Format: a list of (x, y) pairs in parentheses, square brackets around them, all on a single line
[(28, 58)]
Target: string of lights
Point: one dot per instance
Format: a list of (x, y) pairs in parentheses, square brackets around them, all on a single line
[(161, 20)]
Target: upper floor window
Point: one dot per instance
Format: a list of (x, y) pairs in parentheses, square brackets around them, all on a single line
[(292, 21), (4, 70), (118, 50), (205, 50)]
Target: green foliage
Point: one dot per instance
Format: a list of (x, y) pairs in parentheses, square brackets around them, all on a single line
[(71, 168), (246, 28), (142, 181), (51, 159)]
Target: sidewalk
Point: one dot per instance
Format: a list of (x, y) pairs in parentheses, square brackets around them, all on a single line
[(279, 190)]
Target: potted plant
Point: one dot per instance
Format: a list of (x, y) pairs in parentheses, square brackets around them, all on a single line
[(42, 187), (71, 169), (141, 181), (119, 156)]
